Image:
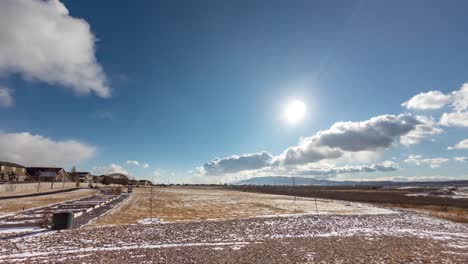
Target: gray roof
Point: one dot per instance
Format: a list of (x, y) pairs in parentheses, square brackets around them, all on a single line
[(11, 164)]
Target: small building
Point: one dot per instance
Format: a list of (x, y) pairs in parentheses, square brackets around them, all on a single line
[(145, 183), (12, 172), (48, 174), (82, 176), (98, 179), (115, 178)]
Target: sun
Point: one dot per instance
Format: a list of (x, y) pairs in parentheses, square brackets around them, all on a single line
[(294, 112)]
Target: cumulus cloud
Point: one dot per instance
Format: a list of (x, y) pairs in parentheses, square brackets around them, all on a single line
[(6, 97), (460, 98), (42, 42), (426, 128), (457, 100), (461, 145), (237, 163), (373, 135), (35, 150), (110, 169), (327, 171), (461, 159), (455, 119), (418, 160), (137, 163), (428, 101)]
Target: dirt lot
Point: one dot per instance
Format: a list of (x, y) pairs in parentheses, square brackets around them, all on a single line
[(246, 228), (13, 205), (185, 204), (387, 238)]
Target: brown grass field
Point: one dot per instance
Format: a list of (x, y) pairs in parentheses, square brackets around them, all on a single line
[(17, 204), (185, 204), (442, 207)]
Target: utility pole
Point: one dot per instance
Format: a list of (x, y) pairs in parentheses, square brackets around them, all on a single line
[(151, 199), (151, 204), (294, 185)]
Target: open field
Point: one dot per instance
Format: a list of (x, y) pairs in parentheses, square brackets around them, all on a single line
[(185, 204), (246, 228), (451, 207), (14, 205)]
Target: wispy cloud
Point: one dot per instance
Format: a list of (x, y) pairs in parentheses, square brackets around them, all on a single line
[(137, 163), (6, 97), (461, 159), (419, 160), (460, 145)]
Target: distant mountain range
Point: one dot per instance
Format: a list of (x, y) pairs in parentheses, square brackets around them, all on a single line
[(281, 180)]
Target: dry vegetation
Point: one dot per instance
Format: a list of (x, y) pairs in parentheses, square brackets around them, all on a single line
[(442, 207), (180, 204), (446, 212), (14, 205)]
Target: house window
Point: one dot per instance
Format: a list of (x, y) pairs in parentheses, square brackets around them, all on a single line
[(3, 167), (14, 169)]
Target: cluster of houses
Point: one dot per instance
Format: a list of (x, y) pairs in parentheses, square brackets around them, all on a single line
[(12, 172)]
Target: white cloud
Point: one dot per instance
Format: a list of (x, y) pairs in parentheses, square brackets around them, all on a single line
[(457, 100), (461, 159), (397, 178), (455, 119), (385, 166), (428, 101), (460, 98), (6, 97), (426, 128), (311, 170), (137, 163), (134, 162), (35, 150), (373, 135), (237, 163), (41, 41), (461, 145), (110, 169), (158, 173), (418, 160)]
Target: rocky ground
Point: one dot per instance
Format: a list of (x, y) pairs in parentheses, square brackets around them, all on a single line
[(390, 238)]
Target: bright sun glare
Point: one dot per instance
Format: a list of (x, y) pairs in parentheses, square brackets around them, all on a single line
[(294, 111)]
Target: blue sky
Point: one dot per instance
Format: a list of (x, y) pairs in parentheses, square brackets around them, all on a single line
[(176, 84)]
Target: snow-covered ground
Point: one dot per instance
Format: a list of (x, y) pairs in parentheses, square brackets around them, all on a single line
[(447, 192), (212, 226), (227, 234)]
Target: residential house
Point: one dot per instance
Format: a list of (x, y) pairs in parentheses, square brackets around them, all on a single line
[(115, 178), (145, 182), (98, 179), (48, 174), (12, 172), (81, 176)]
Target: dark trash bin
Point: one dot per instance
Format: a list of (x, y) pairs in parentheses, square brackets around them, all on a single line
[(62, 220)]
